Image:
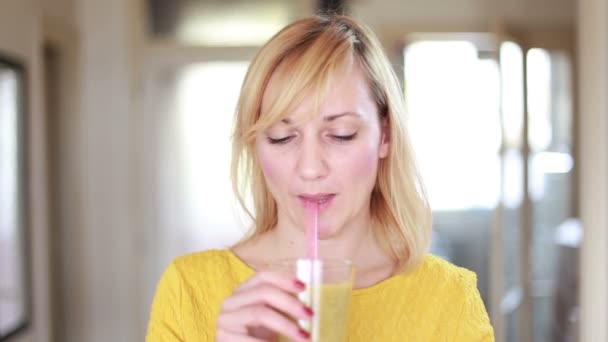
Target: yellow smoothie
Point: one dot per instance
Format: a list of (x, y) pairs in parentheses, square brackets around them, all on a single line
[(330, 305)]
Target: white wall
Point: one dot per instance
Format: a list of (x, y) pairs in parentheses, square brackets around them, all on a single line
[(97, 272), (62, 10), (593, 151), (107, 243)]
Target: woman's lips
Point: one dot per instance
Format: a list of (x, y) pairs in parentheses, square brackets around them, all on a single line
[(322, 200)]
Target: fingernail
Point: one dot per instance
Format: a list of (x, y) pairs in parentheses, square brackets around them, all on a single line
[(309, 311), (300, 285), (304, 334)]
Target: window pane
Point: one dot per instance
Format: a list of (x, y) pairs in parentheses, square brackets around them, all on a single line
[(452, 99), (453, 105), (199, 209), (512, 103), (556, 236), (12, 262)]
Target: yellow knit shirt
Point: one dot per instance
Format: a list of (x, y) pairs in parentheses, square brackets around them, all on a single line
[(437, 301)]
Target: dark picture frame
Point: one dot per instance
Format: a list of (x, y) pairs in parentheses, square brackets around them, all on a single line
[(15, 267)]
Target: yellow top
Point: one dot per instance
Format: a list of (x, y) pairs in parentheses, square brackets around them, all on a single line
[(437, 301)]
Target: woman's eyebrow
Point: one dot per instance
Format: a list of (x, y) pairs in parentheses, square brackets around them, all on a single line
[(327, 118), (333, 117)]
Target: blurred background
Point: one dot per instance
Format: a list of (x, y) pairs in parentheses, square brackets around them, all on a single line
[(115, 124)]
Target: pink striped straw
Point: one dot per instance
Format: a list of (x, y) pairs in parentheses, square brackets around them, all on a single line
[(312, 230)]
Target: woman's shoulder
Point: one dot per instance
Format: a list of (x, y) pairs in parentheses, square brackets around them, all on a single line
[(444, 276), (454, 290), (207, 258), (213, 261), (189, 290), (437, 267)]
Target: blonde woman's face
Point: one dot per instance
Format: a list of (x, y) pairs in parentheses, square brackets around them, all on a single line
[(331, 158)]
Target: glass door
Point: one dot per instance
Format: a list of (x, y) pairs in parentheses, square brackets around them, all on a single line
[(491, 122), (452, 86)]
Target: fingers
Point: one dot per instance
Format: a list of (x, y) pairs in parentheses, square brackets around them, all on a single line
[(263, 306), (284, 282), (261, 316), (268, 295)]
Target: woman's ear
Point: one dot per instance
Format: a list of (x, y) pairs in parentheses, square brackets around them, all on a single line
[(385, 137)]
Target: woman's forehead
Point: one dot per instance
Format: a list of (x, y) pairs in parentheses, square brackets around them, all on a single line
[(344, 90)]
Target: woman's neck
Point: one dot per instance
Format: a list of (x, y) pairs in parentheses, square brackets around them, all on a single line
[(355, 242)]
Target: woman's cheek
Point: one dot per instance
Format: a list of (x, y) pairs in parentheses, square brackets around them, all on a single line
[(364, 163), (272, 166)]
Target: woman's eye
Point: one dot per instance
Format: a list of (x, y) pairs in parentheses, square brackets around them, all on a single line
[(280, 140), (344, 137)]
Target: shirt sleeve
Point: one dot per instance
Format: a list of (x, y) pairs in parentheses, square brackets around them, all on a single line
[(165, 318), (473, 324)]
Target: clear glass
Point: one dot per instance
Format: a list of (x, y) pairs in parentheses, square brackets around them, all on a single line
[(13, 263), (452, 95), (195, 158), (555, 234), (328, 292), (460, 130), (512, 106)]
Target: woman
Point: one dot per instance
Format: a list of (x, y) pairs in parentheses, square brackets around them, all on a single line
[(320, 121)]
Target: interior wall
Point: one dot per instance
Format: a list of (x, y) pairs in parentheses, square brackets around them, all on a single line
[(593, 152), (62, 291), (107, 243), (62, 96), (93, 236), (61, 10)]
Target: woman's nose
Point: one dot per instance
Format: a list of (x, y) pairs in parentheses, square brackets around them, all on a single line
[(312, 163)]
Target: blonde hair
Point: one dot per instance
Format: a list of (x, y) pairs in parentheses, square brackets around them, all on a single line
[(312, 50)]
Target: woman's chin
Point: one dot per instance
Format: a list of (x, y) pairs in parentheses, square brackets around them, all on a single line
[(328, 232)]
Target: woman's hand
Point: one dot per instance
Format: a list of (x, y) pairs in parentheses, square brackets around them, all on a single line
[(261, 308)]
